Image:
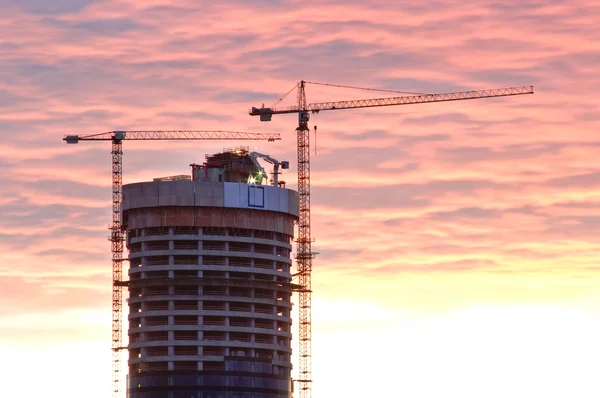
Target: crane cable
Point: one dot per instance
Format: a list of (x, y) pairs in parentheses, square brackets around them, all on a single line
[(283, 97), (342, 86), (365, 88)]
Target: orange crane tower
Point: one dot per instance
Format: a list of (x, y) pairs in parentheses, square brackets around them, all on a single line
[(304, 252), (116, 236)]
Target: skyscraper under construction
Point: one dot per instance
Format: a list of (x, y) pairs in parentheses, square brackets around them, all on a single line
[(210, 281)]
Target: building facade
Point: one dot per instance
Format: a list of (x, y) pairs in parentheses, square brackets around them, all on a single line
[(210, 287)]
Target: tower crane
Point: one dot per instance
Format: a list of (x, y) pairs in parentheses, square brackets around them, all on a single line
[(116, 236), (304, 253)]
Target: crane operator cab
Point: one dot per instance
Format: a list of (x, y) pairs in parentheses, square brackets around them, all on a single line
[(303, 117), (119, 135)]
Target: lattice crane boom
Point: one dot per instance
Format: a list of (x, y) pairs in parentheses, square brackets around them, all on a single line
[(172, 135), (403, 100), (116, 236), (304, 254)]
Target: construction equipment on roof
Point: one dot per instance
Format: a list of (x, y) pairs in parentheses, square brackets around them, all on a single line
[(116, 236), (231, 165), (304, 253), (276, 164)]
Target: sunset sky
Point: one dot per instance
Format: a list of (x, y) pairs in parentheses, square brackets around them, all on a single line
[(458, 242)]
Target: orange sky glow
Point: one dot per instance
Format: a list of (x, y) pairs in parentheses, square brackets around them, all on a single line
[(458, 242)]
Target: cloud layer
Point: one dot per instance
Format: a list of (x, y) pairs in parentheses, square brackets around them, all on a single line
[(429, 207)]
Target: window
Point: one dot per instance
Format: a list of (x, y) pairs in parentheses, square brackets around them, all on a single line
[(157, 336), (213, 351), (239, 322), (157, 305), (157, 260), (185, 335), (182, 305), (186, 290), (256, 196), (239, 307), (263, 309), (186, 350), (213, 245), (185, 365), (185, 320), (185, 260), (213, 305), (211, 335), (214, 320), (236, 336), (157, 245), (185, 245), (213, 290), (263, 324), (156, 321), (157, 351)]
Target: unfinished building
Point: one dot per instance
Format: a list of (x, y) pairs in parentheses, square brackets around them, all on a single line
[(210, 282)]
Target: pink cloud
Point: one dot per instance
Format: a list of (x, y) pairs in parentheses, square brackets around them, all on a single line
[(431, 205)]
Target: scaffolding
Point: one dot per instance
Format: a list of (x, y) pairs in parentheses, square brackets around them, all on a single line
[(231, 165)]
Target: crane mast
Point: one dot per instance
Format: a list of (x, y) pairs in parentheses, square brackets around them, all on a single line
[(304, 253), (117, 235), (116, 239)]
